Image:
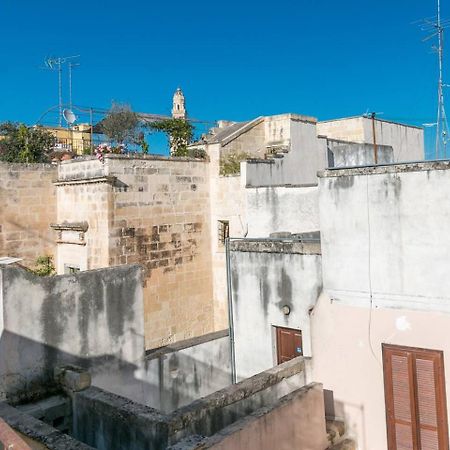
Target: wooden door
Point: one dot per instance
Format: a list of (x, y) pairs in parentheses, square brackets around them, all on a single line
[(289, 344), (416, 412)]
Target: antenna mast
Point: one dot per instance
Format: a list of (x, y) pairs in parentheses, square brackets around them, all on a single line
[(436, 26), (441, 107), (56, 64)]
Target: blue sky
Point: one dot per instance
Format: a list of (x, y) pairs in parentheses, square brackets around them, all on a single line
[(234, 60)]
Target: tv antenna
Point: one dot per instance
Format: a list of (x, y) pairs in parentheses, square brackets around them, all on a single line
[(435, 26), (56, 63)]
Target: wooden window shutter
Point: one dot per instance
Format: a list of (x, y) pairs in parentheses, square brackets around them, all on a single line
[(415, 399)]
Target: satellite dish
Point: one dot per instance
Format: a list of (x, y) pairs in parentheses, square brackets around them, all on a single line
[(69, 116)]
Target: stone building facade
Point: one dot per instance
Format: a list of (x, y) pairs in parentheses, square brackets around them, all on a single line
[(147, 210), (171, 215), (27, 208)]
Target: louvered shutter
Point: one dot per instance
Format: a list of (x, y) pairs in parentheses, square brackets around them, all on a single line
[(430, 393), (399, 400), (415, 399)]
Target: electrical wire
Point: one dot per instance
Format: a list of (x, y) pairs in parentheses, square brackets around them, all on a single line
[(369, 267)]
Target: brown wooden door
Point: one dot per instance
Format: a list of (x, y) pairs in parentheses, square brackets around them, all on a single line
[(416, 412), (289, 344)]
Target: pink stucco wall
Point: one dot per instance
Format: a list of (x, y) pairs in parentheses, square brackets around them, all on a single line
[(296, 423), (347, 359)]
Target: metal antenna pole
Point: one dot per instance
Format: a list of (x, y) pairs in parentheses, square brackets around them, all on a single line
[(375, 147), (440, 94), (59, 62), (71, 66), (70, 86)]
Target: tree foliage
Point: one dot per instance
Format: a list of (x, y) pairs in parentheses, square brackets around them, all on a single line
[(121, 124), (179, 132), (22, 144), (44, 266), (230, 164)]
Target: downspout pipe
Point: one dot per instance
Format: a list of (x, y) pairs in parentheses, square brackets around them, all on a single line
[(230, 310)]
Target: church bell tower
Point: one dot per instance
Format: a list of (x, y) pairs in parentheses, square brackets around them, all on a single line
[(179, 106)]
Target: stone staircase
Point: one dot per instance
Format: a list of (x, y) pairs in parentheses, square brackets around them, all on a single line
[(276, 151), (336, 436)]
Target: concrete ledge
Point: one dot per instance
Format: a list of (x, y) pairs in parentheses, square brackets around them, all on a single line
[(276, 246), (418, 166), (160, 351), (197, 442), (133, 156), (39, 431), (68, 181), (182, 418)]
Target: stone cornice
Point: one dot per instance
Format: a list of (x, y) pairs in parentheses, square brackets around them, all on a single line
[(74, 181)]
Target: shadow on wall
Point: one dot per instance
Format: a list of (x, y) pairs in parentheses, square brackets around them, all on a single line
[(94, 319), (166, 383)]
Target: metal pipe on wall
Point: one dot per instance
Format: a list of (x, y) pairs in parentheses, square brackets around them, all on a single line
[(230, 310)]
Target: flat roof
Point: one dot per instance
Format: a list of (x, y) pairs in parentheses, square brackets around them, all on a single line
[(368, 118), (413, 166)]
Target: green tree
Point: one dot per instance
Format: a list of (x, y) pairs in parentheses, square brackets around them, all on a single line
[(230, 164), (22, 144), (120, 124), (44, 266), (179, 132)]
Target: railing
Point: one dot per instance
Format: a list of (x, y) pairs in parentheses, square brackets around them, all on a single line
[(87, 146)]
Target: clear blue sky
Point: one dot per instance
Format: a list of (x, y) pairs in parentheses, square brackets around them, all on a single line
[(234, 59)]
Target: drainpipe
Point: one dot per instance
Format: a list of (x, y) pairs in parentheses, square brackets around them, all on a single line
[(230, 310)]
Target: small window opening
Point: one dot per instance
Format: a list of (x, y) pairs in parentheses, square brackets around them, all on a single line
[(224, 231), (70, 269)]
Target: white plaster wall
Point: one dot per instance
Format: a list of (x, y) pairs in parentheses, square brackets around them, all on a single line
[(307, 155), (284, 208), (385, 250), (386, 233), (348, 359), (406, 141), (262, 283), (71, 254)]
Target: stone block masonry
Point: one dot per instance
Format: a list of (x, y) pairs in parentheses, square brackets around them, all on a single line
[(27, 207), (148, 210)]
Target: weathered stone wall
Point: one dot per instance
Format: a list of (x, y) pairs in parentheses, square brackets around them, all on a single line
[(407, 141), (84, 195), (93, 319), (298, 166), (343, 154), (109, 422), (251, 142), (153, 211), (27, 208), (265, 276)]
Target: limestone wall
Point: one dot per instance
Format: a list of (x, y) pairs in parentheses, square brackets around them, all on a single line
[(153, 211), (251, 142), (27, 207), (228, 203)]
